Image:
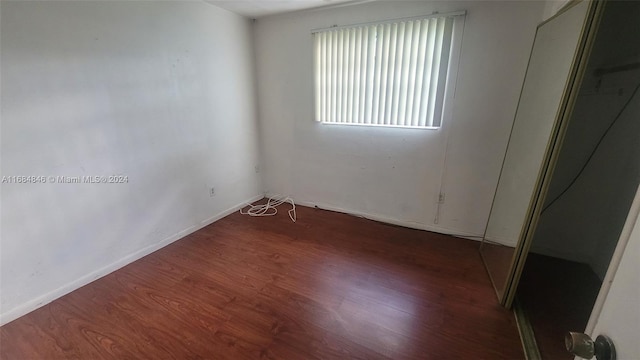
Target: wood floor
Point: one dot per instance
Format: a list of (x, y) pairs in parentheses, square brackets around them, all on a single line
[(331, 286)]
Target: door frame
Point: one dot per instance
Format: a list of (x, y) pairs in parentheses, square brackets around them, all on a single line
[(625, 235)]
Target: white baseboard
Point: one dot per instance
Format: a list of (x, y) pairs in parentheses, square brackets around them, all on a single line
[(387, 220), (29, 306), (502, 241)]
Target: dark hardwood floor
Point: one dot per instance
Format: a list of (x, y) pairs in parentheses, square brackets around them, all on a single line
[(331, 286), (558, 296)]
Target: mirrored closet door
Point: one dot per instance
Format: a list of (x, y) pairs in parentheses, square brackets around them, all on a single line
[(553, 72)]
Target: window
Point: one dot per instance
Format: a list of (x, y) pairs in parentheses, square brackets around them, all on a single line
[(385, 74)]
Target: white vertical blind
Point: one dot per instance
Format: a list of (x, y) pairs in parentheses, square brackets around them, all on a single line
[(389, 74)]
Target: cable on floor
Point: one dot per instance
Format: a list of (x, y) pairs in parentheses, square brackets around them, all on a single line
[(270, 208)]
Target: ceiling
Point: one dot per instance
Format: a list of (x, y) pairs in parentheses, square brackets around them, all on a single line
[(258, 8)]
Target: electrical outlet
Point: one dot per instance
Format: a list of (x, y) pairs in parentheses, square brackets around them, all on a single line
[(256, 168), (441, 198), (212, 192)]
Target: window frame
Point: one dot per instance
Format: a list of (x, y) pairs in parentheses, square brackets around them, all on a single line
[(450, 81)]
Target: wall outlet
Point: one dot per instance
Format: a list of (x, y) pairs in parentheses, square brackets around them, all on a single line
[(212, 192), (441, 198), (256, 168)]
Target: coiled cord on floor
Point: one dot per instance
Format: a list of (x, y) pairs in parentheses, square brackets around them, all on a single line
[(269, 209)]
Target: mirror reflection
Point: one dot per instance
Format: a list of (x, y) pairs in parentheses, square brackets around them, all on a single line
[(594, 182), (548, 73)]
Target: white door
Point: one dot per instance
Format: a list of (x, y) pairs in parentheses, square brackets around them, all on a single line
[(617, 310)]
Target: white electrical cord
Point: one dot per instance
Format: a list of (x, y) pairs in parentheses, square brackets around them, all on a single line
[(269, 209)]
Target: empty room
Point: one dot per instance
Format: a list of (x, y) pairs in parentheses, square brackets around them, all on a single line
[(319, 179)]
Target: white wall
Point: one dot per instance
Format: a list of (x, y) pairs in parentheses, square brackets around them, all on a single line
[(162, 92), (551, 7), (395, 174), (585, 223)]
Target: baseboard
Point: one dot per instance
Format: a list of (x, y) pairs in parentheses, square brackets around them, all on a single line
[(387, 220), (501, 241), (29, 306)]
